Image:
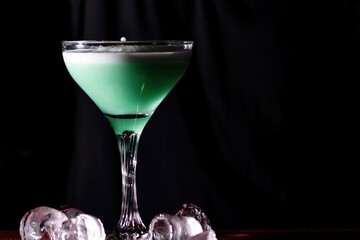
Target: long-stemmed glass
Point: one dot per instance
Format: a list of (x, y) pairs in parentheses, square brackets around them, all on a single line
[(127, 80)]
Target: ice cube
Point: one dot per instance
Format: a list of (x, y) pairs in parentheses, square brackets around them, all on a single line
[(169, 227), (192, 210), (82, 227), (41, 223)]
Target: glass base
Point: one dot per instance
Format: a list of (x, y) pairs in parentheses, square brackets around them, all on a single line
[(115, 235)]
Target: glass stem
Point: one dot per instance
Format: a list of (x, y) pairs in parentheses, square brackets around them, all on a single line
[(130, 225)]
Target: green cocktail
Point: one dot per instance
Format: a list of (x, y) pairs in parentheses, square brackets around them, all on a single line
[(127, 89), (127, 81)]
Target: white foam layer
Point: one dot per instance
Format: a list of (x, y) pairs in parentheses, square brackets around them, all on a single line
[(101, 57)]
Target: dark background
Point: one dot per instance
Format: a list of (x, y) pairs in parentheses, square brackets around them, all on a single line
[(261, 132)]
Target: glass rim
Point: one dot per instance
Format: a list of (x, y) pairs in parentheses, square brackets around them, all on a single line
[(127, 42), (126, 46)]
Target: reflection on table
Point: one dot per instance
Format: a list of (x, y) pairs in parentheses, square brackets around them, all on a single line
[(261, 234)]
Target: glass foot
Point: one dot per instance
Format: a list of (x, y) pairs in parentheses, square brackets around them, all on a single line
[(116, 235)]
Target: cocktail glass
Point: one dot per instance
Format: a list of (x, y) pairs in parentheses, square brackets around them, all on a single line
[(127, 80)]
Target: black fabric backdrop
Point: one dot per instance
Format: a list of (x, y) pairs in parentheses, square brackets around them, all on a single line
[(260, 132)]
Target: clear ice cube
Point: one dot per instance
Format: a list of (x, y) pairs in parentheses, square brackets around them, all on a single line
[(169, 227), (82, 227), (192, 210), (65, 223), (41, 223)]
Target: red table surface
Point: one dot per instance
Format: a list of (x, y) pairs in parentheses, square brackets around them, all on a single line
[(264, 234)]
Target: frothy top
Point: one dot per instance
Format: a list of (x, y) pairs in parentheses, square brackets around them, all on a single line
[(113, 55)]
